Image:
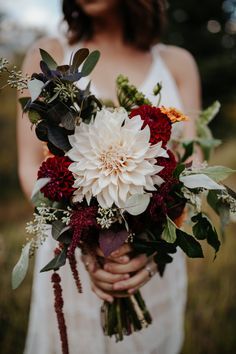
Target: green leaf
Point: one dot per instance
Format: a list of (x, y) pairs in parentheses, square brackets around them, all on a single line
[(208, 114), (222, 209), (23, 102), (207, 144), (199, 181), (39, 184), (78, 59), (39, 199), (179, 169), (35, 88), (137, 203), (21, 267), (90, 63), (68, 121), (169, 232), (188, 146), (188, 244), (34, 116), (217, 173), (57, 137), (48, 59), (58, 261), (58, 227), (203, 229)]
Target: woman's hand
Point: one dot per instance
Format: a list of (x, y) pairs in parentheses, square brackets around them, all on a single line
[(117, 270)]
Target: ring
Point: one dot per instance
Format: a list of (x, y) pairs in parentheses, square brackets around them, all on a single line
[(150, 271)]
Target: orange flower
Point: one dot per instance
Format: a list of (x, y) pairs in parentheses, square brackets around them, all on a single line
[(173, 114)]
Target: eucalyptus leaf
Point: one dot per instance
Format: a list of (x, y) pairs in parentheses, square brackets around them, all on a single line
[(58, 137), (58, 261), (39, 184), (217, 173), (58, 227), (188, 244), (40, 199), (209, 113), (90, 63), (68, 121), (48, 59), (78, 59), (21, 267), (35, 88), (199, 181), (169, 232), (137, 203)]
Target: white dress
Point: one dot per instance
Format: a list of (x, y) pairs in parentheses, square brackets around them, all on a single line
[(165, 297)]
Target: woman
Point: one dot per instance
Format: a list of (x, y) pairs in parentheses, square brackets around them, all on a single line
[(127, 33)]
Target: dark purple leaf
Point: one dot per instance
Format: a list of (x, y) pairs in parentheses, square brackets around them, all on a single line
[(110, 241)]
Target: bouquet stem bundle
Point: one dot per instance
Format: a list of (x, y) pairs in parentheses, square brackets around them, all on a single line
[(124, 316)]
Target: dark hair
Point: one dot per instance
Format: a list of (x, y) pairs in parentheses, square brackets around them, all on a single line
[(143, 22)]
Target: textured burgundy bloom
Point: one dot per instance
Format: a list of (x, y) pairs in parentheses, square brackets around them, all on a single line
[(159, 123), (60, 185), (75, 272), (81, 220), (169, 165), (58, 304), (163, 202)]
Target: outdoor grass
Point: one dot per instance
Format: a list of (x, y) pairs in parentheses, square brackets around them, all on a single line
[(211, 308)]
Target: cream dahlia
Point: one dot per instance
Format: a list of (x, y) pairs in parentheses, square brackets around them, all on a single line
[(113, 159)]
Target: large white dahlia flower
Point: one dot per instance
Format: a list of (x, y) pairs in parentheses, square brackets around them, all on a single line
[(113, 159)]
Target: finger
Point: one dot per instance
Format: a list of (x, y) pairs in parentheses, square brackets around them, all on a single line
[(132, 266), (137, 280), (103, 286), (90, 263), (124, 249), (121, 257), (101, 294), (102, 275)]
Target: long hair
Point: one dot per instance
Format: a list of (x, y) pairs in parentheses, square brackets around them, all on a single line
[(143, 22)]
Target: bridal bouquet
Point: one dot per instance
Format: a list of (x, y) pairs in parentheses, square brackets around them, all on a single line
[(113, 175)]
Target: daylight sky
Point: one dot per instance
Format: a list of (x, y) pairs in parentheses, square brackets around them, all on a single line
[(36, 13)]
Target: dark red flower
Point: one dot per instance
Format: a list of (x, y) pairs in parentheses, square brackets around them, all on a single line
[(169, 165), (60, 185), (159, 123), (165, 202)]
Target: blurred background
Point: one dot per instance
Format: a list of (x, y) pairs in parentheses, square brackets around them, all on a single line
[(208, 31)]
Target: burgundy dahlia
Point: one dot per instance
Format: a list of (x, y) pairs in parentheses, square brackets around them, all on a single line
[(169, 165), (159, 124), (61, 179)]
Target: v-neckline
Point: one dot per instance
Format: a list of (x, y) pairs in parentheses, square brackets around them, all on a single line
[(141, 87)]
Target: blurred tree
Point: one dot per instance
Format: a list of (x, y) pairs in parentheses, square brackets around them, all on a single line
[(208, 31)]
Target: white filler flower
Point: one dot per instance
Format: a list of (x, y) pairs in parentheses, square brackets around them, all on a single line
[(113, 159)]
